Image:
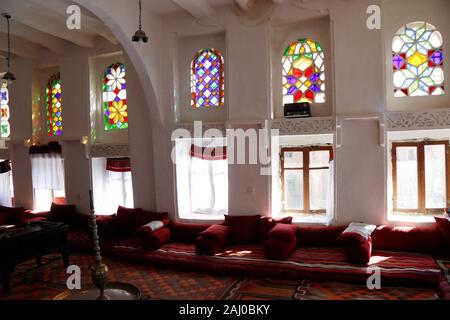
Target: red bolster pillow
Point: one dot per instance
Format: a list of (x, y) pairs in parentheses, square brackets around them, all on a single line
[(209, 247), (407, 239), (212, 240), (267, 223), (359, 253), (216, 232), (443, 225), (154, 240), (276, 249), (283, 232)]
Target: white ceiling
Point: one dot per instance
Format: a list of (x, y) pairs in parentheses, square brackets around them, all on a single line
[(38, 23)]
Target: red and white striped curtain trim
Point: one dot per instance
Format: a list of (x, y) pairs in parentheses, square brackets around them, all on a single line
[(207, 153)]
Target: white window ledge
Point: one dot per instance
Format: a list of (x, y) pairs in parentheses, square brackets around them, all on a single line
[(318, 220), (409, 218), (201, 217)]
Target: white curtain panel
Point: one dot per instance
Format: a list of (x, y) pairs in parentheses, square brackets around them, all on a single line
[(5, 189), (330, 193), (110, 189), (202, 185), (118, 191), (47, 171)]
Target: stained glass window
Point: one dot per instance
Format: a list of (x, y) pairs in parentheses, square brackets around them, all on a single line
[(207, 79), (4, 104), (417, 60), (303, 72), (115, 97), (54, 106)]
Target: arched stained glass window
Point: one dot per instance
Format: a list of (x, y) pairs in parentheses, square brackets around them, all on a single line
[(4, 104), (115, 97), (207, 79), (417, 60), (54, 106), (303, 72)]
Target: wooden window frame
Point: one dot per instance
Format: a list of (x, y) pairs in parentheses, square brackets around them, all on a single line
[(420, 145), (306, 171)]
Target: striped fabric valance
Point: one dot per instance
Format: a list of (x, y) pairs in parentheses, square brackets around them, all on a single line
[(209, 153), (118, 164)]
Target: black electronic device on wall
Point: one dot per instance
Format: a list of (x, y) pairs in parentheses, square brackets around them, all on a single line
[(297, 110)]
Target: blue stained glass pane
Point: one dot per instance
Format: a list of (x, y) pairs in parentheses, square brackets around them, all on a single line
[(437, 57), (315, 77), (292, 90), (315, 88), (291, 79)]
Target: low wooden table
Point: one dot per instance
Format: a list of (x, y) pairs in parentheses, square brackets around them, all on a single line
[(23, 242)]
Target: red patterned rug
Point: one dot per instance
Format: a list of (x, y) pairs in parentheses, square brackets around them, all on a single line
[(30, 282), (263, 289)]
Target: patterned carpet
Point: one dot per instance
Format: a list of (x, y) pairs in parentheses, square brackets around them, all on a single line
[(37, 283)]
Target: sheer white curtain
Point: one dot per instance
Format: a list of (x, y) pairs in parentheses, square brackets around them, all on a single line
[(111, 189), (5, 189), (202, 185), (330, 191), (48, 178)]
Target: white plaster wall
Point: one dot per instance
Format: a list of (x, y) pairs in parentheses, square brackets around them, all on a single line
[(358, 87)]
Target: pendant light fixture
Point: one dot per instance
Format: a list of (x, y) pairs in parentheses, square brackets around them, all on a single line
[(140, 35), (8, 76)]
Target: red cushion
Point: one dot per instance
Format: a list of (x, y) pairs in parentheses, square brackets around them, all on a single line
[(125, 222), (13, 214), (359, 253), (318, 236), (67, 214), (186, 232), (283, 232), (143, 217), (243, 229), (212, 240), (443, 225), (350, 239), (275, 249), (267, 223), (154, 240), (407, 239), (216, 232), (209, 247), (4, 218)]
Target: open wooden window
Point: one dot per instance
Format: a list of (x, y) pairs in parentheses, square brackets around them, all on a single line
[(305, 178), (420, 173)]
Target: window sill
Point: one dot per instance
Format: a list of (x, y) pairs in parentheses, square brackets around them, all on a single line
[(320, 220), (199, 217), (410, 218)]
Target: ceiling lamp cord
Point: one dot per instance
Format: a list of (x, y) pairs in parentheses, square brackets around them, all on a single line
[(9, 76), (140, 35)]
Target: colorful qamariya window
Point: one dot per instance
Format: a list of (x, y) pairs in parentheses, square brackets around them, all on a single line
[(4, 104), (115, 97), (54, 106), (417, 60), (207, 79), (303, 72)]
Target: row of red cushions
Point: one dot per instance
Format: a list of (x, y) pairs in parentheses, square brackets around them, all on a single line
[(129, 220), (251, 229)]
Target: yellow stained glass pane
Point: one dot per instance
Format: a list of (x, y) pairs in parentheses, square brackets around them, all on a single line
[(417, 59)]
